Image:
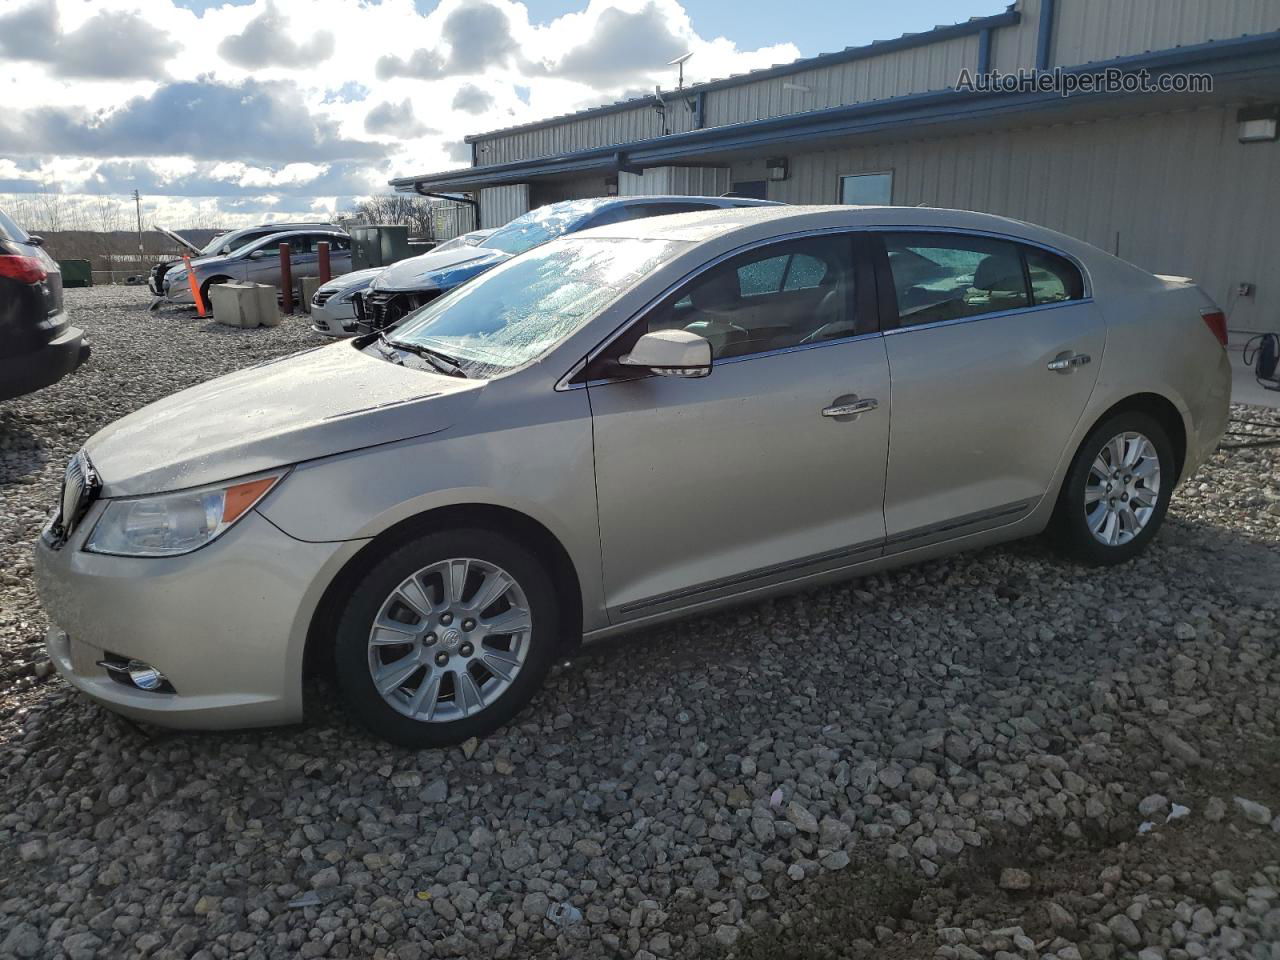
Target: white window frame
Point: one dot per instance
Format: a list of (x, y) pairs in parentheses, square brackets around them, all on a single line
[(864, 173)]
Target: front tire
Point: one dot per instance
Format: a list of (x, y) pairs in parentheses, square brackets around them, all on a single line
[(446, 638), (204, 291), (1117, 490)]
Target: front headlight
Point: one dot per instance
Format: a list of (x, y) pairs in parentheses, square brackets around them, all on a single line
[(170, 524)]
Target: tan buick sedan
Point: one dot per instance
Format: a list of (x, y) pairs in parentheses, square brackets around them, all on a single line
[(631, 424)]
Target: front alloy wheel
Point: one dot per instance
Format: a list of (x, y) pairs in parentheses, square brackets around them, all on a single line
[(446, 638), (450, 640)]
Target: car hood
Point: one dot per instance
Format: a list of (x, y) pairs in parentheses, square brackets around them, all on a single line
[(440, 270), (313, 404), (358, 278), (179, 239)]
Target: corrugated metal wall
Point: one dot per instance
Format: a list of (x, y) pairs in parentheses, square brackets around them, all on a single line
[(916, 70), (1014, 48), (500, 204), (578, 188), (1174, 193), (1089, 30), (682, 181), (1085, 31)]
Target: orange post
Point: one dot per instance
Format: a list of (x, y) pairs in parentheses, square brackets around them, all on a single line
[(286, 279), (322, 249), (195, 287)]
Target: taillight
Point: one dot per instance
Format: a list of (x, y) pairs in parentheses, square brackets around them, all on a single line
[(1216, 321), (22, 269)]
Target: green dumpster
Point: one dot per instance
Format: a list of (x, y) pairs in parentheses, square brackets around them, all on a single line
[(76, 273)]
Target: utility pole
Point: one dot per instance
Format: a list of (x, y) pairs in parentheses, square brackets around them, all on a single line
[(137, 202)]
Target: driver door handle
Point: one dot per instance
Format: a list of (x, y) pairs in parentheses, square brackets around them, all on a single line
[(1065, 363), (844, 407)]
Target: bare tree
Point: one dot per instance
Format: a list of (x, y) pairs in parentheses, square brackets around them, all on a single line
[(49, 207), (418, 213)]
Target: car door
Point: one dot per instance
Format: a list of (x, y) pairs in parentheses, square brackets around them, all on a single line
[(262, 264), (304, 259), (339, 255), (769, 469), (993, 357)]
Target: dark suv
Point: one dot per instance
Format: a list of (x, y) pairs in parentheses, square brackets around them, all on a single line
[(37, 345)]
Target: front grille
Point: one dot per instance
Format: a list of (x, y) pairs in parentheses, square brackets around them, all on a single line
[(322, 297), (384, 309), (80, 486), (387, 309)]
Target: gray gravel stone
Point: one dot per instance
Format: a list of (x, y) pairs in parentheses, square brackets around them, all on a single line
[(942, 707)]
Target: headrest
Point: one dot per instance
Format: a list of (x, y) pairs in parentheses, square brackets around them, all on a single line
[(999, 271), (717, 292)]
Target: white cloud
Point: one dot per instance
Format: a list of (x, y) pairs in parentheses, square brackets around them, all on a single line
[(282, 103)]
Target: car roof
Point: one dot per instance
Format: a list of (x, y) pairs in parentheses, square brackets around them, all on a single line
[(747, 224), (587, 205)]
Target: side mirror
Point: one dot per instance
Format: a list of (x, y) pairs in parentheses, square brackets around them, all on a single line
[(257, 255), (671, 353)]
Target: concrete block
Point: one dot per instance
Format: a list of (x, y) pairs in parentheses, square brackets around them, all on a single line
[(308, 286), (245, 304)]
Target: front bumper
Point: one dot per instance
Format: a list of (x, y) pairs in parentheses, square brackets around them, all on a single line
[(178, 292), (334, 318), (44, 366), (226, 624)]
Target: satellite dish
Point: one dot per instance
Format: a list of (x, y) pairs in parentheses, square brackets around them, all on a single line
[(679, 62)]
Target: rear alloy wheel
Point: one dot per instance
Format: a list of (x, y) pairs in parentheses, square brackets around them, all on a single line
[(1117, 490), (446, 638)]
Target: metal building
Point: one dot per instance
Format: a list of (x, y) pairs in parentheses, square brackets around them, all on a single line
[(1178, 182)]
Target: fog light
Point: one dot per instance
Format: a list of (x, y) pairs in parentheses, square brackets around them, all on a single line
[(136, 673), (145, 677)]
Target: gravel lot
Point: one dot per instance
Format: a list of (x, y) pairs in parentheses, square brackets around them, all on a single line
[(948, 761)]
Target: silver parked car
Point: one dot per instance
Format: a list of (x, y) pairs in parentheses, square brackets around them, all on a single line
[(622, 426), (219, 246), (259, 262)]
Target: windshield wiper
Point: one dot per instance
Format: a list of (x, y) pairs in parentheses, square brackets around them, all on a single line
[(441, 361)]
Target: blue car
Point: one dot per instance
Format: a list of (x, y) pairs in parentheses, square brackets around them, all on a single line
[(403, 287)]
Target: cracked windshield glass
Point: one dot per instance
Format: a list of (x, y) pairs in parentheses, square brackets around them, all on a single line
[(517, 312)]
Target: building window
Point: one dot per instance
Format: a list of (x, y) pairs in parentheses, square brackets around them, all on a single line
[(869, 189)]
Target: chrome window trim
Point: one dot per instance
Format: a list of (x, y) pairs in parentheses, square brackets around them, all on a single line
[(563, 383), (910, 328)]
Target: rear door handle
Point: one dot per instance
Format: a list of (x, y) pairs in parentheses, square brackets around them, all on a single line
[(1066, 362), (849, 407)]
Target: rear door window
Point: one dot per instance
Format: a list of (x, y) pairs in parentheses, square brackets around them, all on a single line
[(946, 276), (1053, 278)]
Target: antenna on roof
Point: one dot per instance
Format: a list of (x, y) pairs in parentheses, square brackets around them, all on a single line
[(679, 62)]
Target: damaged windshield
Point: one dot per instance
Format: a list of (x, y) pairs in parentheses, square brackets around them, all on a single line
[(539, 226), (520, 310)]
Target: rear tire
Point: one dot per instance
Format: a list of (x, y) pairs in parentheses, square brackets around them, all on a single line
[(1116, 492), (460, 628)]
